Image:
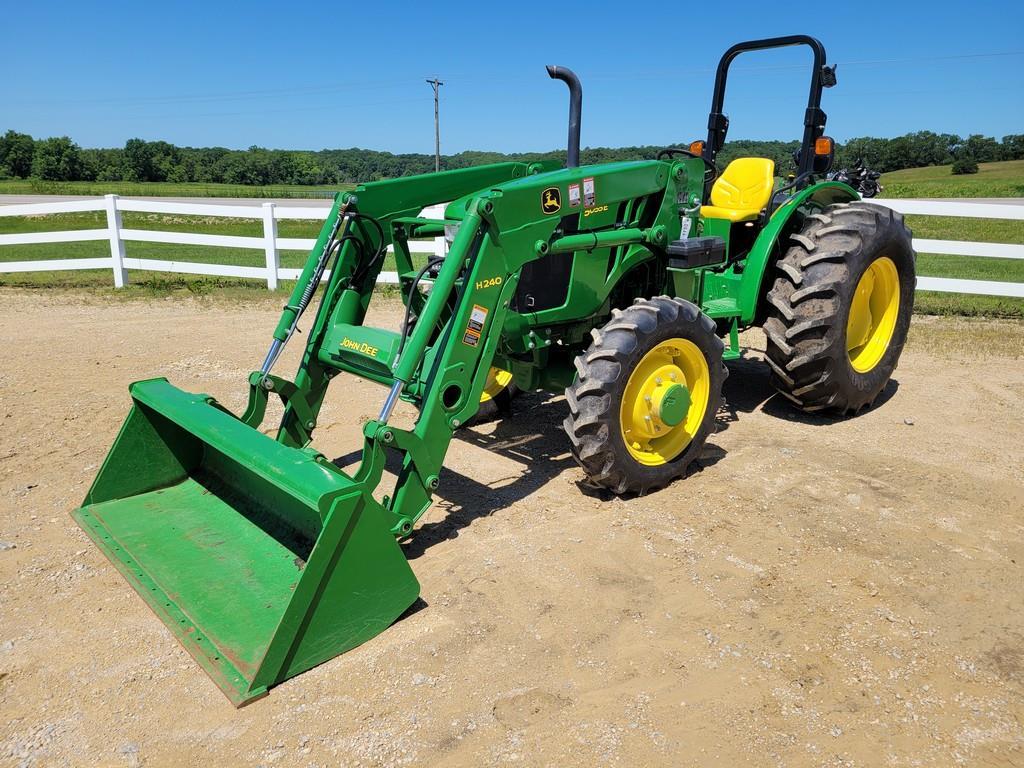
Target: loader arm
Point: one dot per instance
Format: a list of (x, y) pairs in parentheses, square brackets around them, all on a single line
[(347, 293), (441, 367), (261, 556)]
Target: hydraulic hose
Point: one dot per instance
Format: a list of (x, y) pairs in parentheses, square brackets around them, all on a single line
[(313, 274), (465, 243), (408, 307), (396, 388)]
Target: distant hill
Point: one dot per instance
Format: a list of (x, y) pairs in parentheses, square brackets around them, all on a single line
[(1001, 179), (59, 159)]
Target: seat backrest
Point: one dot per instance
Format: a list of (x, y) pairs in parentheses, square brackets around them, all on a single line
[(745, 185)]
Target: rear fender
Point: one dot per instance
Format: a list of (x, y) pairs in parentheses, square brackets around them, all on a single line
[(787, 219)]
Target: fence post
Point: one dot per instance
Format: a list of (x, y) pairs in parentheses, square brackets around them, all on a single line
[(116, 243), (270, 245)]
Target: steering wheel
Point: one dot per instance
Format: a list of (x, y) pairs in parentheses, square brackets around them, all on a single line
[(710, 171)]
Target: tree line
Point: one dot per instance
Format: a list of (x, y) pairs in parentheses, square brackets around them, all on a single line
[(61, 159)]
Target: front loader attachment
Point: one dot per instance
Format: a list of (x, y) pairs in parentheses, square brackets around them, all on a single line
[(263, 560), (262, 557)]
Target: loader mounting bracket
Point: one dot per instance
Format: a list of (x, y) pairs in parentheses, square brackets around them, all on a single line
[(260, 387), (379, 436)]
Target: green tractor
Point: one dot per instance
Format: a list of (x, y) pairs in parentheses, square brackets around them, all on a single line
[(612, 282)]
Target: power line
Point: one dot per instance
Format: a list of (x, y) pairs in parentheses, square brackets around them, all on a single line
[(933, 58)]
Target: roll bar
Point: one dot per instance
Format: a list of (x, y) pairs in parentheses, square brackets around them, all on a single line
[(822, 76), (568, 77)]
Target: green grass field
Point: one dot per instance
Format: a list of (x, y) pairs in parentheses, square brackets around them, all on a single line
[(968, 267), (1005, 179), (163, 189)]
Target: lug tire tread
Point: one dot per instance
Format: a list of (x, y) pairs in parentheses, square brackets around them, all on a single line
[(602, 372), (809, 304)]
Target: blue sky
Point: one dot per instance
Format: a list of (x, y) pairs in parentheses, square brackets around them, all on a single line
[(314, 75)]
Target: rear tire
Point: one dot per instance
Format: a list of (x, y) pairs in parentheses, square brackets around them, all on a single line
[(839, 311), (677, 358)]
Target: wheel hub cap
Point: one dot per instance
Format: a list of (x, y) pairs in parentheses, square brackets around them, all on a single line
[(873, 313), (673, 405), (664, 402)]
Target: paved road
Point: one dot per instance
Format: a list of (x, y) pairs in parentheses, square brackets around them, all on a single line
[(996, 200), (282, 201), (326, 202)]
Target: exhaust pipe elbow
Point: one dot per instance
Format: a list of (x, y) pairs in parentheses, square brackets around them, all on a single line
[(569, 77)]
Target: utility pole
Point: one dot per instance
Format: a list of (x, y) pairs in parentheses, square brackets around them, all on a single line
[(435, 83)]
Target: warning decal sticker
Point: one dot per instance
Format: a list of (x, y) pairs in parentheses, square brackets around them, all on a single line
[(588, 192), (574, 195), (477, 318)]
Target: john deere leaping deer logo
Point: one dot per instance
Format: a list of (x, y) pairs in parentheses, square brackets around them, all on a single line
[(551, 200)]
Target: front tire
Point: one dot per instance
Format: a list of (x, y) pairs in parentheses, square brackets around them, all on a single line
[(840, 308), (496, 398), (646, 395)]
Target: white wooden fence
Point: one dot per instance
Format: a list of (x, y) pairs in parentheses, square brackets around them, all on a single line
[(272, 245), (117, 234), (969, 210)]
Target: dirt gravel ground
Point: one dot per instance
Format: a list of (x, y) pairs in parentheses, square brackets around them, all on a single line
[(819, 593)]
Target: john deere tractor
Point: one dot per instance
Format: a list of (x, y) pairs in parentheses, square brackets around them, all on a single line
[(614, 283)]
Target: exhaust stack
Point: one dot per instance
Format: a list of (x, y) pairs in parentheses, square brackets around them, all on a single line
[(568, 77)]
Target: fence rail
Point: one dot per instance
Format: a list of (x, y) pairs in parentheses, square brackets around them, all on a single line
[(272, 245), (964, 248), (118, 235)]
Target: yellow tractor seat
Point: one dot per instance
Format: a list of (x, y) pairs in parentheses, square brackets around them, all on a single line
[(742, 191)]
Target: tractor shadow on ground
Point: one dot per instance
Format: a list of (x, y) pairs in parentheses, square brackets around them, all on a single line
[(531, 436), (418, 605), (749, 389)]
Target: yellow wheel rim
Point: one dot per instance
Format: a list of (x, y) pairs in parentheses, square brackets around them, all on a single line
[(873, 313), (497, 381), (664, 403)]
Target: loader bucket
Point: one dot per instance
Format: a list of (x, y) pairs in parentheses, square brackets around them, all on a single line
[(263, 560)]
